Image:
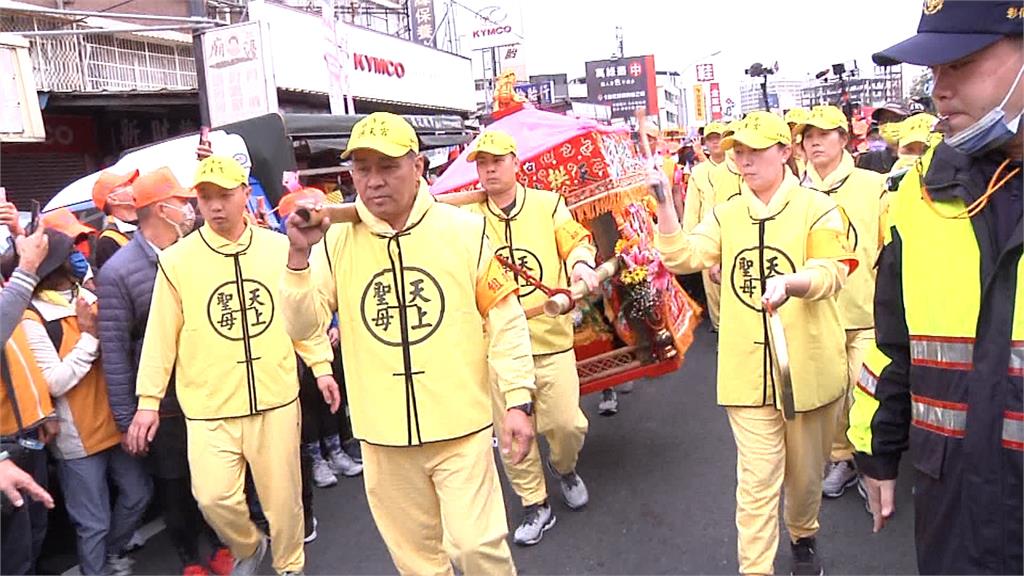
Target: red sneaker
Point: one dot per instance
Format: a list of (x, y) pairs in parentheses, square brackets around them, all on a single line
[(222, 562), (196, 570)]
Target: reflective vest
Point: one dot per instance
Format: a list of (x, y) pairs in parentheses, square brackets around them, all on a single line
[(411, 332), (87, 424), (31, 393), (120, 238), (960, 402), (234, 356), (859, 193), (753, 250), (942, 322), (527, 236)]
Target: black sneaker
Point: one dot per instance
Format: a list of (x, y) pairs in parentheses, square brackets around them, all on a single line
[(805, 558)]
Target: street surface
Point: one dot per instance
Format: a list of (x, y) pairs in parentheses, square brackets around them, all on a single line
[(662, 479)]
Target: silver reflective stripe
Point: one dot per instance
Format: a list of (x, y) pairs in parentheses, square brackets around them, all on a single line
[(1013, 430), (1017, 358), (950, 353), (946, 418), (868, 382)]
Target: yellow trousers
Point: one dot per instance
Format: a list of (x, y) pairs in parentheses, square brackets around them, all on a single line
[(557, 416), (857, 342), (410, 489), (218, 451), (772, 453), (713, 292)]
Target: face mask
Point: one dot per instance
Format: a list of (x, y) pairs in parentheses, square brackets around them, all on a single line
[(890, 133), (989, 133), (79, 265), (188, 219), (876, 145)]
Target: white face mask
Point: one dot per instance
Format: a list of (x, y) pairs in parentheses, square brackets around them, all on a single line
[(188, 219), (991, 131)]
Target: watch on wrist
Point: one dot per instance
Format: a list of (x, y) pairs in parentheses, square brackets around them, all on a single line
[(526, 408)]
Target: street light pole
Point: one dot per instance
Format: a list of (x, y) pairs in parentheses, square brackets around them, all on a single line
[(758, 70)]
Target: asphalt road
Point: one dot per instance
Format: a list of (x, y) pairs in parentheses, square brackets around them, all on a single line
[(662, 482)]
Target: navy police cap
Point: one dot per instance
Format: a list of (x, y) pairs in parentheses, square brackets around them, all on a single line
[(952, 29)]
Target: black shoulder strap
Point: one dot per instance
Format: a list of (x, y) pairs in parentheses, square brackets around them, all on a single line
[(54, 329)]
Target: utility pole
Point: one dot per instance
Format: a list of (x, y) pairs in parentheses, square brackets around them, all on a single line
[(197, 8), (618, 41)]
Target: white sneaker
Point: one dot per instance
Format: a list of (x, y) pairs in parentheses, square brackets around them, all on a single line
[(609, 405), (343, 464), (249, 566), (537, 519), (119, 565), (312, 534), (136, 543), (574, 491), (323, 476), (840, 476)]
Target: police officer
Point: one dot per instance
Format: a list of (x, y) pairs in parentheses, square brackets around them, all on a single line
[(945, 377)]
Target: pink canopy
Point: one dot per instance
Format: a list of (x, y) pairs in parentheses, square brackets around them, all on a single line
[(535, 132)]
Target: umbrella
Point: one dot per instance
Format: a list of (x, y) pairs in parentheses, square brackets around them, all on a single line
[(535, 131), (178, 154)]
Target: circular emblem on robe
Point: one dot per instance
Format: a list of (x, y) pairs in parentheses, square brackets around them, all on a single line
[(417, 309), (526, 261), (235, 315), (749, 273)]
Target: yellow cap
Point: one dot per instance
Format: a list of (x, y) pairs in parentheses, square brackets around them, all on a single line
[(824, 117), (387, 133), (759, 130), (493, 142), (732, 127), (911, 135), (921, 121), (797, 116), (917, 128), (223, 171), (715, 128)]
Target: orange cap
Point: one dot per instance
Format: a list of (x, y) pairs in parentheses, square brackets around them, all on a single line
[(63, 220), (158, 185), (107, 183), (290, 201)]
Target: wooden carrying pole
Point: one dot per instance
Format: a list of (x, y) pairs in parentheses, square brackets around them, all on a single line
[(560, 304), (346, 213)]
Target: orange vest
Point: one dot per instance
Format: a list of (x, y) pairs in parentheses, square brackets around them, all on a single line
[(30, 390), (116, 235), (87, 401)]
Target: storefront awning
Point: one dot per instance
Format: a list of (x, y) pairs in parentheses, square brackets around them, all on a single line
[(326, 132)]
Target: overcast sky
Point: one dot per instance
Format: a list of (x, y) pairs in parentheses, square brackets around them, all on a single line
[(804, 36)]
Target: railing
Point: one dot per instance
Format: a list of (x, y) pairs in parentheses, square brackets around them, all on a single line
[(102, 62)]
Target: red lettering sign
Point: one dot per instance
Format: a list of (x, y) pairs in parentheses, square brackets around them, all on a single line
[(716, 101), (375, 65)]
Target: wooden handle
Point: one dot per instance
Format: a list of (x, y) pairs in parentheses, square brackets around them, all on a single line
[(339, 213), (560, 303), (641, 125)]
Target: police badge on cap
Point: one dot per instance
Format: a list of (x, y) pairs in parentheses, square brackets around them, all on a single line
[(952, 29)]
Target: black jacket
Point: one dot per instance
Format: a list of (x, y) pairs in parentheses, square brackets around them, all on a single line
[(969, 491)]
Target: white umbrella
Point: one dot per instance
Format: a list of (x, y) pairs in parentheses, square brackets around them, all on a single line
[(178, 154)]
